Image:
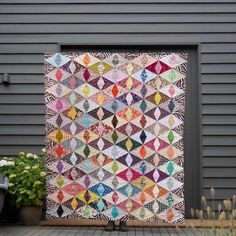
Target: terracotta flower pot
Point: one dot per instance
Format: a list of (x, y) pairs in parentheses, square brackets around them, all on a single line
[(30, 215)]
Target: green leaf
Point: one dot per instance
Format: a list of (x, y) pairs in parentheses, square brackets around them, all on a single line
[(32, 196), (18, 199)]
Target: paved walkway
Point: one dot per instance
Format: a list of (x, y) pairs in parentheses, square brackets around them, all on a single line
[(96, 231)]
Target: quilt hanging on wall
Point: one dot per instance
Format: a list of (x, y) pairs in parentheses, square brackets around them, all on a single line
[(114, 135)]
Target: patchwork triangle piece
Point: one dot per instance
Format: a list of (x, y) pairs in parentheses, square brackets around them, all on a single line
[(114, 126)]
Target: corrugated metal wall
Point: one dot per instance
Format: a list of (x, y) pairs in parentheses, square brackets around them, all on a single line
[(29, 28)]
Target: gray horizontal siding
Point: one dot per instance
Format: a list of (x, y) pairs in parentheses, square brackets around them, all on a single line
[(115, 1), (119, 38), (215, 130), (30, 28), (218, 78), (227, 120), (26, 48), (218, 162), (116, 19), (117, 8), (182, 28)]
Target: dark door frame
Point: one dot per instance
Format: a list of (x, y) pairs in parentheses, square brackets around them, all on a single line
[(193, 122)]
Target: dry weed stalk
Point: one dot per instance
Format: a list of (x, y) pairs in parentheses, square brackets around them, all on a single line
[(222, 216)]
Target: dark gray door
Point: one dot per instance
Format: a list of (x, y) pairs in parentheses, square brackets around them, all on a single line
[(192, 157)]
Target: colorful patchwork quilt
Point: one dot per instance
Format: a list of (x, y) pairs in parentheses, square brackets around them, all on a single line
[(114, 135)]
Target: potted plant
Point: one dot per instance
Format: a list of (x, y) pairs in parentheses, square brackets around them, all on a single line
[(27, 185)]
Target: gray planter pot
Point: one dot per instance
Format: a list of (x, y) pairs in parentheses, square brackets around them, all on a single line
[(30, 215)]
